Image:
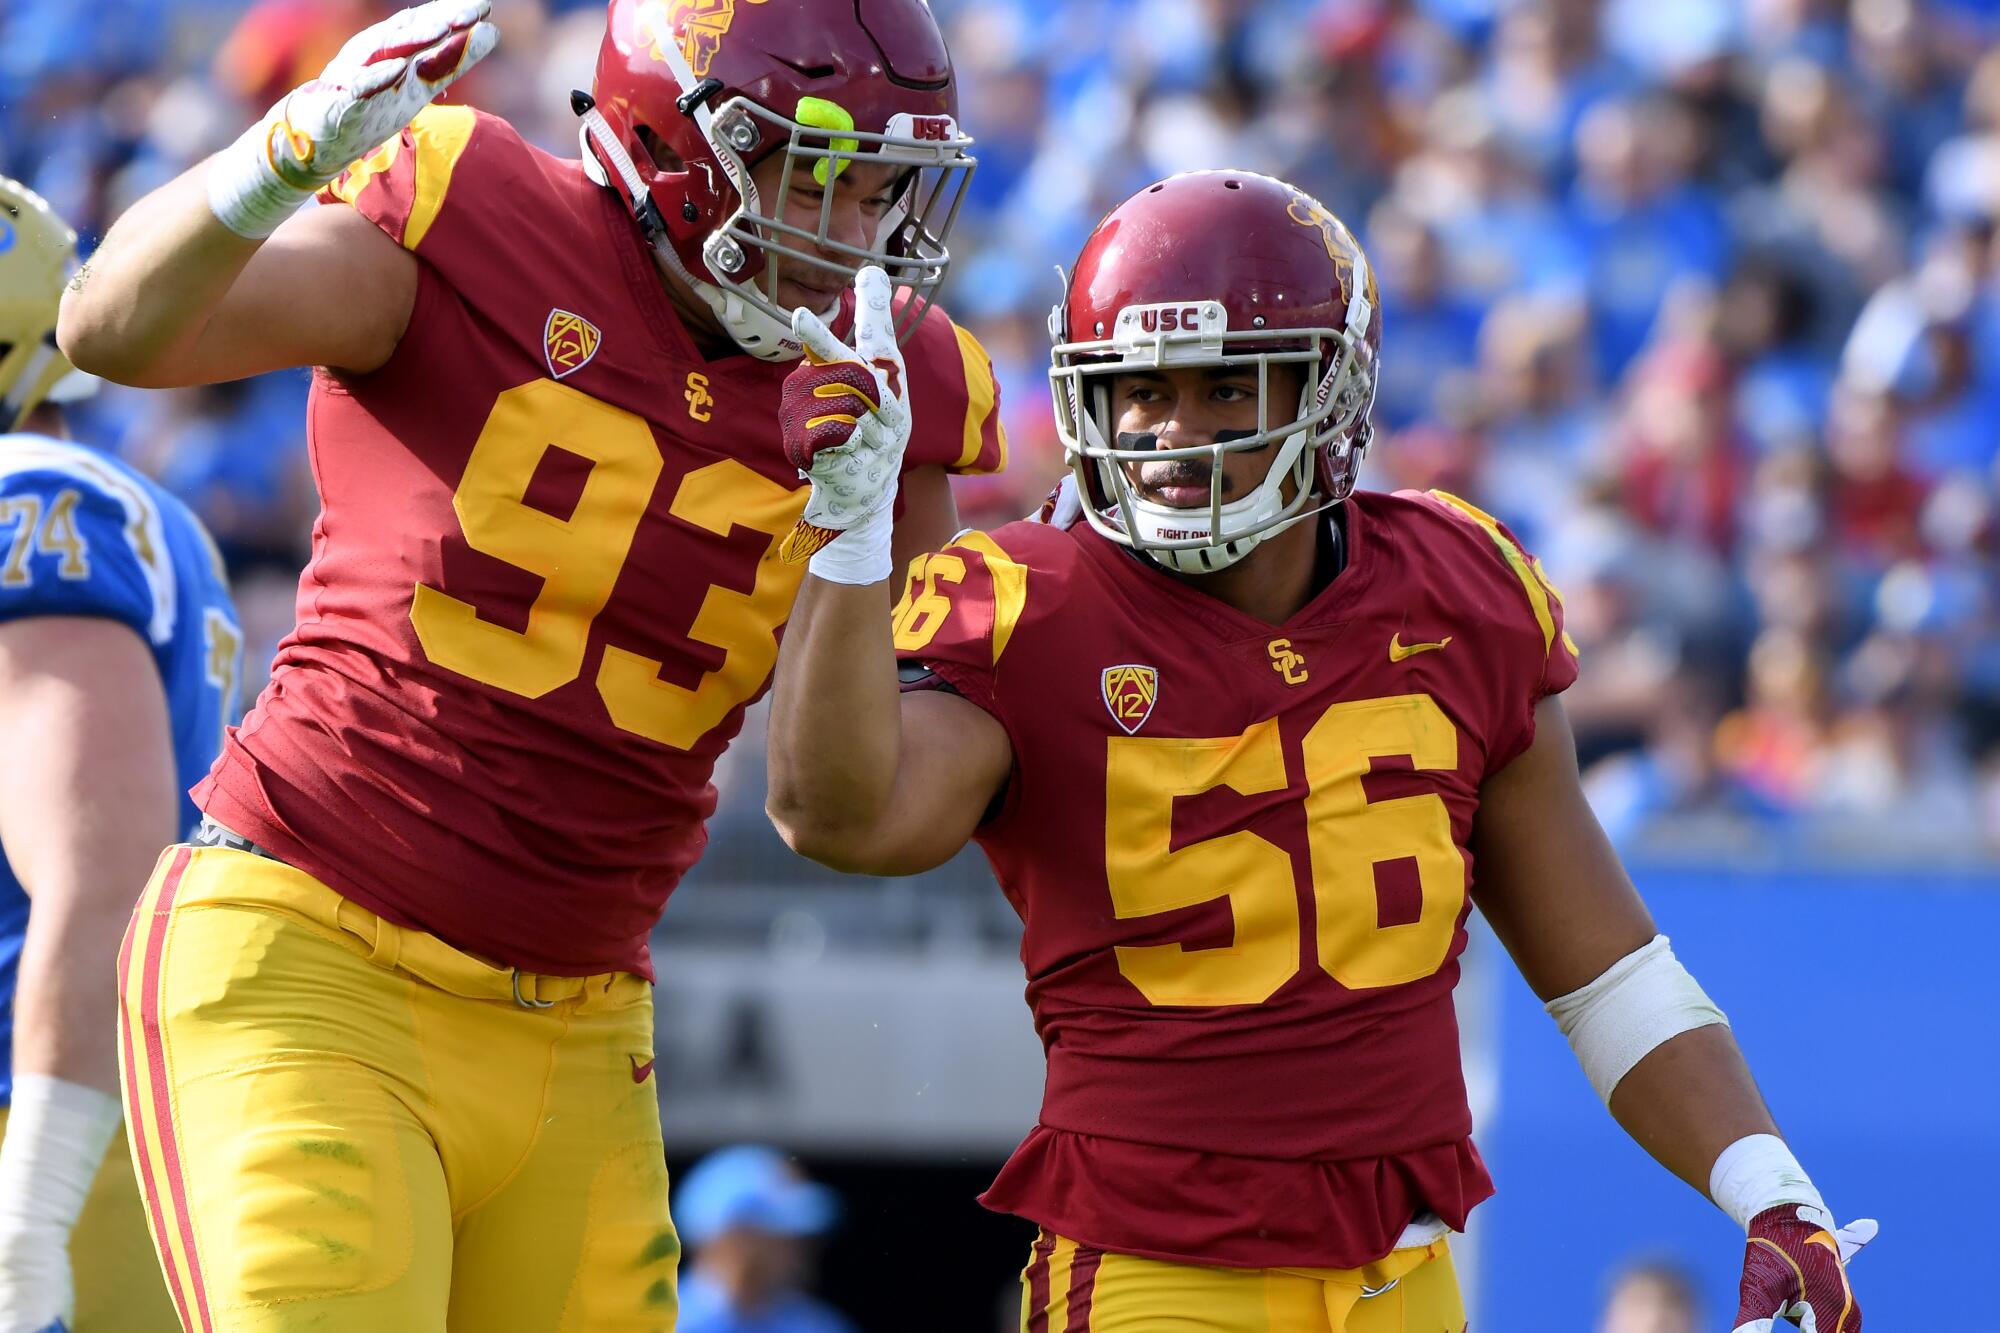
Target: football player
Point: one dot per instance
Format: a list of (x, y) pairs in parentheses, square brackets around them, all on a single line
[(388, 1025), (1243, 748), (118, 668)]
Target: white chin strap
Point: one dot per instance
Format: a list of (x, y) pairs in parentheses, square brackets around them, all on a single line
[(760, 334), (756, 332), (1184, 540), (1255, 515)]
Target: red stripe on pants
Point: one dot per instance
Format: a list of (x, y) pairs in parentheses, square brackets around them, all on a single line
[(1082, 1286), (1038, 1284), (156, 1072), (146, 925)]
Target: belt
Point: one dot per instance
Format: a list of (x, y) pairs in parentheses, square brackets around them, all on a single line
[(214, 833)]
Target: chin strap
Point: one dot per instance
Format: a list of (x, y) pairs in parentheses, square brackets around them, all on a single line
[(737, 318), (597, 134)]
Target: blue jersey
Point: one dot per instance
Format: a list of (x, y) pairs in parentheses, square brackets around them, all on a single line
[(83, 535)]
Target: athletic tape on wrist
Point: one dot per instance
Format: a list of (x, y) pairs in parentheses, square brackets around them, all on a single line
[(57, 1134), (244, 192), (1757, 1172), (1642, 1001), (859, 555)]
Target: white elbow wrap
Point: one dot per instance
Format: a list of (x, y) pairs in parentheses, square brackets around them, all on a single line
[(1643, 1000)]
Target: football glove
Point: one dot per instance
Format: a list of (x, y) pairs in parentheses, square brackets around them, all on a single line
[(846, 419), (1795, 1269), (1064, 506), (367, 94)]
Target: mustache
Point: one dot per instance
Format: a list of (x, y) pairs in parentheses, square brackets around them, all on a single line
[(1196, 471)]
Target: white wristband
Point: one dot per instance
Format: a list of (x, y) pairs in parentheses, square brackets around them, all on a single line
[(244, 191), (1642, 1001), (1758, 1172), (860, 555), (57, 1133)]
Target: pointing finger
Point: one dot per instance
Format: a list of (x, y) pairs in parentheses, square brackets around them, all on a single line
[(874, 315), (818, 339)]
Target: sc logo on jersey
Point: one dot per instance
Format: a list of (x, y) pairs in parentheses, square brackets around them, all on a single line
[(1286, 662), (699, 399)]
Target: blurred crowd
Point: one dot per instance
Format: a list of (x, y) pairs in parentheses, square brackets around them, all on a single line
[(1702, 298)]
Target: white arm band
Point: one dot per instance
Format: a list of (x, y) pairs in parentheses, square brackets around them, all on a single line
[(57, 1133), (1642, 1001)]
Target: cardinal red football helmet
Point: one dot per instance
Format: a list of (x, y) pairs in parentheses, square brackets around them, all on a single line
[(691, 94), (1218, 268)]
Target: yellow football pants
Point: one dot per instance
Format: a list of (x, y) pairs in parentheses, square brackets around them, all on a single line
[(1072, 1288), (118, 1287), (350, 1127)]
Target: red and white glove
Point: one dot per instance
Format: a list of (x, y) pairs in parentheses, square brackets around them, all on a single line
[(367, 94), (846, 419), (1795, 1269), (1064, 506)]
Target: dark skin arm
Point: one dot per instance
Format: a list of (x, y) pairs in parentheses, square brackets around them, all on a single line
[(864, 778), (1556, 895), (929, 521)]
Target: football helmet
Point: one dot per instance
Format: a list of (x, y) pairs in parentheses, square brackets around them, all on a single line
[(692, 94), (36, 251), (1218, 268)]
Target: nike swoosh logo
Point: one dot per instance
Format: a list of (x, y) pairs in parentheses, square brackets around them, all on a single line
[(640, 1073), (1399, 652)]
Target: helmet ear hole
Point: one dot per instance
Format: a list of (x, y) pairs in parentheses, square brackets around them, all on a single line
[(663, 158)]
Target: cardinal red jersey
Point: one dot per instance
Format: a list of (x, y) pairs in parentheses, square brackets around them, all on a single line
[(543, 583), (1241, 853)]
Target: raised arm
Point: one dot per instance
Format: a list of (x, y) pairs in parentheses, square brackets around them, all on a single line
[(172, 297), (1652, 1043), (205, 279), (863, 777)]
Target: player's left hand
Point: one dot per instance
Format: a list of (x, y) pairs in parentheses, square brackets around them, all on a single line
[(846, 419), (1795, 1269), (36, 1290)]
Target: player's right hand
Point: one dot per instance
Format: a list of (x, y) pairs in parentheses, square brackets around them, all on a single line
[(36, 1290), (375, 87), (367, 94), (1795, 1272), (1064, 506)]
